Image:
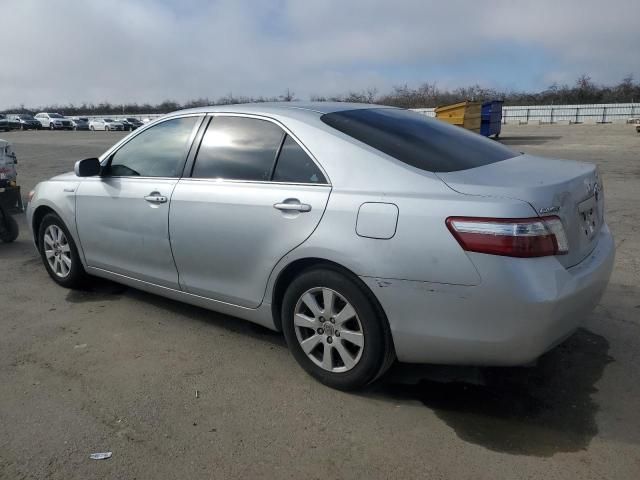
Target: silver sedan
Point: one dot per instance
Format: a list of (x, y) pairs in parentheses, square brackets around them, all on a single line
[(364, 233)]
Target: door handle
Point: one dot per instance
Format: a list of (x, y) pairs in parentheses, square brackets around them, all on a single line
[(155, 197), (293, 207)]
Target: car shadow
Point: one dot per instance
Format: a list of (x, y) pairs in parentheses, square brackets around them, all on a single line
[(98, 290), (537, 411), (528, 139)]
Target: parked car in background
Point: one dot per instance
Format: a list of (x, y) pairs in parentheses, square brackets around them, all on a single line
[(80, 123), (54, 121), (130, 123), (107, 124), (25, 121), (4, 123), (14, 123), (364, 233)]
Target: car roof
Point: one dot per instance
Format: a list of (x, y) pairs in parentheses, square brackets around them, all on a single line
[(282, 108)]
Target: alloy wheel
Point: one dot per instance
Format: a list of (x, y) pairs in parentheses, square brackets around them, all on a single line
[(57, 251), (328, 330)]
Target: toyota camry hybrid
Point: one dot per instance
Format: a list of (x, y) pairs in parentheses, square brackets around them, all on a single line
[(364, 233)]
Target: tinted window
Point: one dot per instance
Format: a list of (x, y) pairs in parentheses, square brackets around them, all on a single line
[(294, 165), (159, 151), (417, 140), (238, 148)]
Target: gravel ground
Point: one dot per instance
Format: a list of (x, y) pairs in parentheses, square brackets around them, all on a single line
[(115, 369)]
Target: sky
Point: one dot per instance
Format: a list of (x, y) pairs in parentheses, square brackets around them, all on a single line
[(74, 51)]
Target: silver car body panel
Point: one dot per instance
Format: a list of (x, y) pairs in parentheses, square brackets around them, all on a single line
[(444, 305), (227, 236), (132, 236)]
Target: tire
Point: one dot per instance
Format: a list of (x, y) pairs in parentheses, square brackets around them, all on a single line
[(352, 366), (75, 276), (10, 230), (106, 129), (51, 127), (92, 128)]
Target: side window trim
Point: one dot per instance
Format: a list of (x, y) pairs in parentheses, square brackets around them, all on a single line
[(275, 160), (286, 131), (196, 128)]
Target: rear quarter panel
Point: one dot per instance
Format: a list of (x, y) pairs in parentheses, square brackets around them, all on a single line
[(422, 248)]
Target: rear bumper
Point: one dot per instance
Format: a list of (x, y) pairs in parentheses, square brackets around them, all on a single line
[(521, 309)]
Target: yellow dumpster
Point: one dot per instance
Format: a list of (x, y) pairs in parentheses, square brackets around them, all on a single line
[(464, 114)]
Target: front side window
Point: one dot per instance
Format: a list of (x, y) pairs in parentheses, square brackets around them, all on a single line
[(159, 151), (294, 165), (238, 148)]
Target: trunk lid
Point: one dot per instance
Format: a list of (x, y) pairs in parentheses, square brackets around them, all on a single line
[(570, 189)]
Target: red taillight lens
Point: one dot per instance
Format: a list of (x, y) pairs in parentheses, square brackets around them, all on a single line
[(511, 237)]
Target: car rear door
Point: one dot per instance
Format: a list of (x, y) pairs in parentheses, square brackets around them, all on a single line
[(122, 216), (253, 195)]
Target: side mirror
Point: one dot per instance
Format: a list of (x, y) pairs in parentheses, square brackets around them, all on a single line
[(88, 167)]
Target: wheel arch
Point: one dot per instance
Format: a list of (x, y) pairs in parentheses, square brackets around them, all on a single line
[(38, 215), (295, 268)]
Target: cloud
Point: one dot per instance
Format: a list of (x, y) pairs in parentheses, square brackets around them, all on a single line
[(149, 51)]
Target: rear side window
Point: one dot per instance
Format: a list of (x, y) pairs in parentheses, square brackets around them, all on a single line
[(419, 141), (238, 148), (159, 151), (294, 165)]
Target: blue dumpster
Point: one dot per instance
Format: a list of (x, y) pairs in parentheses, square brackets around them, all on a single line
[(491, 118)]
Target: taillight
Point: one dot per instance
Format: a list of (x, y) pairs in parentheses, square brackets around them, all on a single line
[(511, 237)]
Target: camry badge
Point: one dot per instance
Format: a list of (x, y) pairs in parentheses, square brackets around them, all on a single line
[(553, 209)]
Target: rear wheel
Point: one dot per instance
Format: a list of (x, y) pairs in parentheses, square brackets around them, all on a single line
[(335, 330), (59, 252)]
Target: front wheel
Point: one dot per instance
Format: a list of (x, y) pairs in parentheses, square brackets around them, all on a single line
[(59, 252), (335, 330), (51, 127)]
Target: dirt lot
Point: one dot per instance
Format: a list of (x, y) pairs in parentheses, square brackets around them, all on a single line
[(115, 369)]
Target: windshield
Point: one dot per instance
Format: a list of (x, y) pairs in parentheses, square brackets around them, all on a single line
[(26, 117), (132, 119), (55, 115), (108, 120), (419, 141)]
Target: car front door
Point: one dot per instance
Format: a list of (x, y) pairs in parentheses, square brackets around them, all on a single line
[(254, 194), (122, 215)]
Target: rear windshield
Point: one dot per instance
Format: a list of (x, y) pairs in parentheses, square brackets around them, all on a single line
[(417, 140)]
